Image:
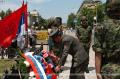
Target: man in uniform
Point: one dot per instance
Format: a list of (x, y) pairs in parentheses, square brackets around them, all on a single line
[(72, 46), (84, 34), (53, 47), (107, 47)]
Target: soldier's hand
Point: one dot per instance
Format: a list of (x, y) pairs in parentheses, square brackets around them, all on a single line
[(89, 43), (99, 76), (58, 68)]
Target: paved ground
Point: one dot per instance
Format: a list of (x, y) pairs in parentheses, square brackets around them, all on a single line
[(90, 75)]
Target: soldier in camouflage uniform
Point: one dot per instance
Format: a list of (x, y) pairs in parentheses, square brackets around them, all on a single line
[(107, 43), (107, 51), (84, 34)]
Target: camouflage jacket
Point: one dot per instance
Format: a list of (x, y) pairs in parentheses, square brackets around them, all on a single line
[(107, 42), (84, 36)]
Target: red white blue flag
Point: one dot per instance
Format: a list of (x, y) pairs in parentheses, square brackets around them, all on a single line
[(21, 33)]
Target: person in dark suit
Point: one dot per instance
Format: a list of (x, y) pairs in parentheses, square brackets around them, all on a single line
[(70, 45)]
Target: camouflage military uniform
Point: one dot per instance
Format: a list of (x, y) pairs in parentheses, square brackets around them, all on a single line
[(107, 42), (85, 37)]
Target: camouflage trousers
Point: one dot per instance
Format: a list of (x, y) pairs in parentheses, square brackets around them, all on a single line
[(111, 71)]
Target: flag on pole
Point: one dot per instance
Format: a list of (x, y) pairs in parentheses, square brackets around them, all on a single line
[(22, 29), (21, 33), (25, 16), (9, 26)]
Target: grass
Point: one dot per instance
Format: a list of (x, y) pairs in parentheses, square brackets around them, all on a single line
[(5, 64)]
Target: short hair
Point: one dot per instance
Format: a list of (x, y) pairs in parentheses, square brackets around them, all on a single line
[(58, 20)]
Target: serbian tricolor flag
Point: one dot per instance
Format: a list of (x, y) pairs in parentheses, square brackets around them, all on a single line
[(36, 66), (21, 33), (9, 26), (24, 14), (21, 28)]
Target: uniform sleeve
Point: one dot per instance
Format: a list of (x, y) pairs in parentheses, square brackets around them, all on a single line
[(89, 32), (77, 31), (50, 43), (98, 40), (65, 51), (89, 29)]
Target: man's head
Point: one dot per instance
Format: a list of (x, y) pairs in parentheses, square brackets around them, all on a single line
[(56, 35), (58, 21), (113, 9), (84, 21)]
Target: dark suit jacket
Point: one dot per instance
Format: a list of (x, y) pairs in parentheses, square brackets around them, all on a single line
[(72, 46)]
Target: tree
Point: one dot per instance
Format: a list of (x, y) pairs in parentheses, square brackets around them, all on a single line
[(8, 12), (2, 14), (42, 23), (50, 22), (78, 20), (100, 12), (70, 21)]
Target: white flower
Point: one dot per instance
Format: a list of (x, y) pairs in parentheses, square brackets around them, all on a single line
[(32, 74), (34, 78), (27, 63)]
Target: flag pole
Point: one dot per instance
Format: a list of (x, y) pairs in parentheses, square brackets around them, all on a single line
[(27, 39), (26, 36), (22, 2)]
